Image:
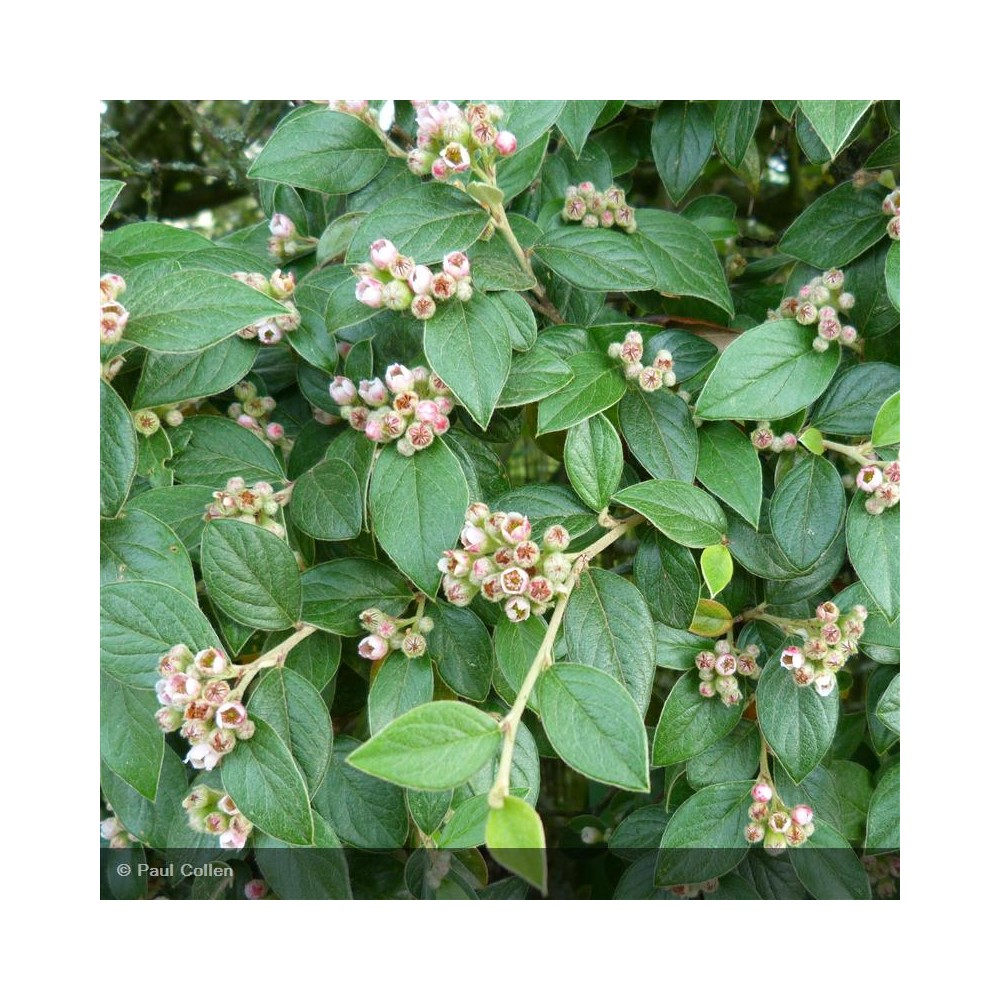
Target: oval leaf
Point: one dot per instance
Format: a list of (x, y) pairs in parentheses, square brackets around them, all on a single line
[(807, 511), (516, 839), (326, 502), (682, 512), (593, 459), (690, 723)]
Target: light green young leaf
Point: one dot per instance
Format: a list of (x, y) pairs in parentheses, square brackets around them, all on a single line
[(886, 428), (716, 568), (834, 121), (516, 839)]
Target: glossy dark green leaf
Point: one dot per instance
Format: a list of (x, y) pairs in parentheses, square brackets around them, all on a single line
[(849, 407), (173, 378), (534, 375), (666, 574), (599, 260), (892, 273), (735, 757), (216, 449), (888, 706), (873, 545), (658, 429), (402, 683), (828, 867), (834, 121), (461, 649), (516, 645), (735, 124), (137, 546), (807, 511), (690, 723), (335, 593), (593, 459), (682, 139), (119, 451), (326, 502), (131, 741), (576, 120), (109, 191), (596, 385), (883, 813), (729, 467)]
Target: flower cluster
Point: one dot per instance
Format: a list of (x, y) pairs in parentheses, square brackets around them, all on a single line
[(882, 484), (659, 375), (279, 287), (286, 242), (764, 439), (411, 407), (775, 824), (451, 140), (818, 303), (392, 281), (593, 208), (251, 411), (718, 671), (387, 633), (196, 699), (695, 889), (114, 315), (255, 504), (890, 206), (499, 560), (115, 833), (214, 812), (883, 874), (830, 639)]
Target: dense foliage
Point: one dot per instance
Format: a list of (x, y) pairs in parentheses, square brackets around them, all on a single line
[(510, 506)]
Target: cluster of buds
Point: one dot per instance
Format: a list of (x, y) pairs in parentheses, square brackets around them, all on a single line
[(499, 560), (659, 375), (593, 208), (279, 287), (197, 699), (251, 411), (764, 439), (392, 281), (883, 874), (695, 889), (286, 241), (882, 484), (818, 303), (214, 812), (775, 824), (890, 206), (387, 633), (829, 640), (410, 407), (451, 140), (147, 422), (114, 315), (255, 504), (719, 671), (115, 833)]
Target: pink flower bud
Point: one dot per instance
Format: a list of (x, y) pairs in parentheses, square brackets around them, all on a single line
[(342, 391), (169, 718), (370, 292), (557, 567), (830, 633), (827, 612), (372, 391), (892, 228), (792, 657), (459, 592), (383, 253), (506, 143), (456, 156), (890, 204), (212, 662), (754, 833), (473, 538), (440, 169), (222, 741), (504, 557), (420, 435), (888, 493), (516, 528), (803, 675), (540, 590), (725, 665), (215, 692), (707, 689), (455, 562), (480, 569), (789, 440), (399, 378), (833, 279), (869, 478), (456, 264), (419, 161), (664, 360), (806, 313), (112, 285), (761, 438), (427, 410), (405, 402), (632, 351), (230, 715), (256, 888), (443, 286), (374, 430), (373, 647), (526, 554), (845, 302), (556, 539), (759, 810), (281, 226), (420, 279), (705, 661), (761, 792), (802, 815), (423, 307), (518, 609), (274, 431), (402, 267)]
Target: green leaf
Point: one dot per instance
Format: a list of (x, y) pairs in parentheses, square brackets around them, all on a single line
[(598, 260), (335, 593), (365, 812), (735, 757), (608, 626), (519, 318), (594, 725), (149, 822), (294, 709), (326, 502), (316, 659), (136, 546), (851, 404), (428, 809), (418, 506), (735, 124), (873, 545), (716, 568), (217, 449), (854, 786), (676, 648), (468, 345), (883, 737), (140, 621), (321, 150), (182, 311), (534, 375), (516, 645), (883, 813), (467, 826), (704, 838), (315, 873), (593, 459), (425, 223), (119, 451), (109, 191), (798, 724), (888, 706), (267, 786), (251, 575), (514, 174), (174, 378), (768, 372), (681, 140), (892, 274), (690, 723), (529, 119), (807, 511), (131, 741), (596, 385), (432, 747), (839, 226), (460, 647), (885, 430), (828, 867), (516, 839), (660, 434), (666, 574), (710, 619), (833, 121), (681, 511), (729, 467), (182, 508), (144, 242), (402, 683), (576, 120)]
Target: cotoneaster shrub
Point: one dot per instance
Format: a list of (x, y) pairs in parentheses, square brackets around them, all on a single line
[(511, 506)]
